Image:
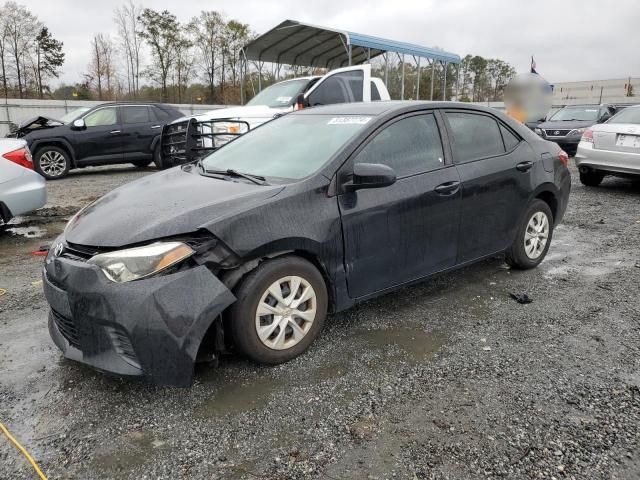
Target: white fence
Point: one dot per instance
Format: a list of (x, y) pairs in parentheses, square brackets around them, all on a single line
[(17, 110)]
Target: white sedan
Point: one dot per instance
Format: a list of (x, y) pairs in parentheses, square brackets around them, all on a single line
[(611, 148), (21, 189)]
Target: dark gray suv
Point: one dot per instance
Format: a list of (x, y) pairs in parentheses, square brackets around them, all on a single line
[(566, 126)]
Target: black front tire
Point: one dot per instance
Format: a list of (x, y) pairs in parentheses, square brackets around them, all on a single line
[(157, 157), (53, 163), (141, 163), (242, 314), (592, 178), (517, 256)]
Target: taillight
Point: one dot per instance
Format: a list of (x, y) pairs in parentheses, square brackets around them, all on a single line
[(22, 157), (564, 158), (587, 136)]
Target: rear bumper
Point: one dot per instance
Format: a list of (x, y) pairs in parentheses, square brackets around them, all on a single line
[(24, 194), (607, 160), (149, 329)]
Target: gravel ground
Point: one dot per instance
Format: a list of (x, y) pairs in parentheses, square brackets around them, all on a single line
[(447, 379)]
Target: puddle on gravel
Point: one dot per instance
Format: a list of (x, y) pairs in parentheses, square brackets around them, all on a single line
[(416, 344), (233, 397), (134, 449)]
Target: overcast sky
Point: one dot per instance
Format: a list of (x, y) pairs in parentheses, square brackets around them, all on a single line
[(571, 40)]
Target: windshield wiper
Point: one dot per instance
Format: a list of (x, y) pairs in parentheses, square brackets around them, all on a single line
[(257, 179)]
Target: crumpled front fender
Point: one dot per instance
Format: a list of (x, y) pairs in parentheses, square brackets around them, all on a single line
[(151, 328)]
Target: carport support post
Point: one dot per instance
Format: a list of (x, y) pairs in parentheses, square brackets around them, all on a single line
[(457, 81), (241, 79), (418, 82), (402, 87), (444, 90), (386, 70), (350, 54), (433, 75)]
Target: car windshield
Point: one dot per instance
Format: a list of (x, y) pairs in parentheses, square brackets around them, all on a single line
[(628, 115), (280, 94), (289, 148), (575, 113), (73, 114)]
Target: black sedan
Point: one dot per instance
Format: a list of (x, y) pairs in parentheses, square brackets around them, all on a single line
[(252, 246)]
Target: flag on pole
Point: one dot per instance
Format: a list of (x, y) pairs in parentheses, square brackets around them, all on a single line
[(533, 65)]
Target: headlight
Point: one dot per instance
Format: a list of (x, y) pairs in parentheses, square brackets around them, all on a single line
[(539, 131), (577, 131), (135, 263), (229, 127)]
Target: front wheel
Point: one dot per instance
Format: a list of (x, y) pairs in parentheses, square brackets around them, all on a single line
[(592, 178), (280, 309), (533, 237), (52, 162)]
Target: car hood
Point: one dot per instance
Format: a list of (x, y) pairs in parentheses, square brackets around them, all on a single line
[(258, 112), (559, 125), (172, 202), (36, 123)]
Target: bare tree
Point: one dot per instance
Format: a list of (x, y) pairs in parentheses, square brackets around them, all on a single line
[(4, 34), (207, 30), (20, 26), (101, 68), (127, 19)]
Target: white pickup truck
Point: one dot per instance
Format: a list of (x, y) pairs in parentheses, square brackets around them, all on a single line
[(187, 139)]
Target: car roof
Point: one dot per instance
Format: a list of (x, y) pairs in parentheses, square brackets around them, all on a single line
[(386, 106)]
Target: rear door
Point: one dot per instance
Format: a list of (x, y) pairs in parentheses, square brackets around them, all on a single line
[(343, 85), (139, 128), (101, 139), (496, 168), (407, 230)]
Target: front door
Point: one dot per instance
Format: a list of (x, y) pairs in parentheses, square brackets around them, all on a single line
[(101, 139), (408, 230)]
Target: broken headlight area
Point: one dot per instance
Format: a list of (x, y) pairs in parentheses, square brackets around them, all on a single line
[(141, 262)]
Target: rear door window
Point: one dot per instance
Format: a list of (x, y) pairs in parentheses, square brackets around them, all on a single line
[(375, 94), (475, 136), (135, 114), (510, 139)]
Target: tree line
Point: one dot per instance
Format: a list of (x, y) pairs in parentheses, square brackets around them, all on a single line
[(153, 56)]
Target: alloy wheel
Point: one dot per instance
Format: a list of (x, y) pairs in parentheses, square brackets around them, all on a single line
[(52, 163), (536, 235), (285, 312)]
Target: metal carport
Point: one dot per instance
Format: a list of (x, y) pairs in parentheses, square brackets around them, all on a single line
[(303, 44)]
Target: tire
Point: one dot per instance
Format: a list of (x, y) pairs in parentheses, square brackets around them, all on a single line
[(52, 163), (254, 291), (157, 157), (592, 178), (141, 163), (529, 256)]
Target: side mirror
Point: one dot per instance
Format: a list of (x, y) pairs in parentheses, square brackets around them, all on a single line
[(78, 124), (370, 175), (301, 102)]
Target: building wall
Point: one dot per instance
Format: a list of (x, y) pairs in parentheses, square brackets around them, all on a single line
[(596, 91)]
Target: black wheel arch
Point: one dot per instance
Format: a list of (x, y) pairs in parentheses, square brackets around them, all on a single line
[(549, 194), (54, 142)]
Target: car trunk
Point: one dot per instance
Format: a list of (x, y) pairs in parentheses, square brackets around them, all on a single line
[(617, 137)]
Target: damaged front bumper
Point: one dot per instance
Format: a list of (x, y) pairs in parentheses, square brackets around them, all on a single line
[(149, 328)]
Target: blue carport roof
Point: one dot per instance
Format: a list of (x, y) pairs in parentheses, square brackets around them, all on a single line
[(296, 43)]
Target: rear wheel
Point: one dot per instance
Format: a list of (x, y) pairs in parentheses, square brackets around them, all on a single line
[(52, 162), (533, 237), (592, 178), (280, 309)]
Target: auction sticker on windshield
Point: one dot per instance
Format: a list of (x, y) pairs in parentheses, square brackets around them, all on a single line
[(348, 121)]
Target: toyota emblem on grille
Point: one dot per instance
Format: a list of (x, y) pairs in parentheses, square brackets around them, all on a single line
[(557, 132), (57, 251)]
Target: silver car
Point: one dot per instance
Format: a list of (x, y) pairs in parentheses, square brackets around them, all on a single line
[(21, 189), (611, 148)]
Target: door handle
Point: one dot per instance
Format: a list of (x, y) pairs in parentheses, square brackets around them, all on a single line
[(524, 166), (113, 132), (448, 188), (155, 126)]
